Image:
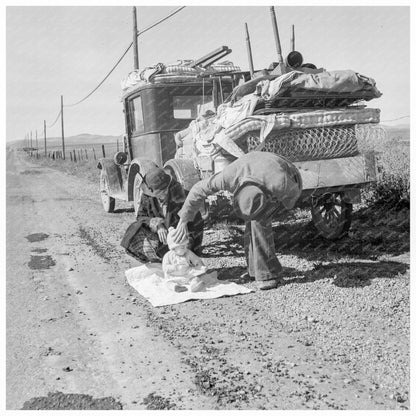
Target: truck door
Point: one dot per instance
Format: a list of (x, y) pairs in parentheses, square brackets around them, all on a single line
[(142, 145)]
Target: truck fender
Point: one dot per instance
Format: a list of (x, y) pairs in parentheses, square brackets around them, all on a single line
[(136, 166), (113, 172), (184, 171)]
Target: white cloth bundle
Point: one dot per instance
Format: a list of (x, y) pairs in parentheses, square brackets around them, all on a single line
[(149, 281)]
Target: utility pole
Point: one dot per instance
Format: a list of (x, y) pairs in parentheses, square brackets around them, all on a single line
[(44, 134), (135, 48), (292, 40), (62, 127), (277, 40), (249, 53)]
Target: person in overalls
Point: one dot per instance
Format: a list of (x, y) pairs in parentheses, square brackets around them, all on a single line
[(259, 181)]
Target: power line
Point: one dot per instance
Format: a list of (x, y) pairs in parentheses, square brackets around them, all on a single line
[(57, 117), (161, 20), (102, 82), (124, 54), (394, 119)]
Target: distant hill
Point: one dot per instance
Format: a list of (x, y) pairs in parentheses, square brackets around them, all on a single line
[(78, 140), (84, 138), (399, 131)]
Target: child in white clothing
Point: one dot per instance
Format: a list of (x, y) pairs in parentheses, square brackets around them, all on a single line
[(183, 268)]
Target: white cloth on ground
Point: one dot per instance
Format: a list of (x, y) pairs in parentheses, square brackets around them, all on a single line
[(149, 281)]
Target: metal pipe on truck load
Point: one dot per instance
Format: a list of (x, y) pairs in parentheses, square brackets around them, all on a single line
[(249, 53), (277, 40), (292, 40), (135, 48), (212, 57)]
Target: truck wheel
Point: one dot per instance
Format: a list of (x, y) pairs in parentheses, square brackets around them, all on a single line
[(331, 215), (107, 201), (137, 194)]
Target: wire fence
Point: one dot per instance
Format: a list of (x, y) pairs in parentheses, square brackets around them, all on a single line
[(76, 153)]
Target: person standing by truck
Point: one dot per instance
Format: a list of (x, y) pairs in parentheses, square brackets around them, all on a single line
[(259, 181), (162, 198)]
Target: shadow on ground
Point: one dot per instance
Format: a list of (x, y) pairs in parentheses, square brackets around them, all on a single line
[(374, 232), (347, 275), (364, 254)]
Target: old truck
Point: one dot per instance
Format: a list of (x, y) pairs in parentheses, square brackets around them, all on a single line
[(333, 169), (319, 131)]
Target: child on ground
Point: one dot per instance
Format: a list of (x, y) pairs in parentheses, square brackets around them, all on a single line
[(183, 269)]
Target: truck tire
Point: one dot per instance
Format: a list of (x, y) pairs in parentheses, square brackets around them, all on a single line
[(184, 172), (137, 194), (331, 215), (107, 201)]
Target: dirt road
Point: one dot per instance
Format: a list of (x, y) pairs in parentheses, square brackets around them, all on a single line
[(329, 338)]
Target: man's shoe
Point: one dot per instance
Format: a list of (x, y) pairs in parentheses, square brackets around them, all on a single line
[(267, 284)]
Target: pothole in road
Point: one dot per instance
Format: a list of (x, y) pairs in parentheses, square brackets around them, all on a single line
[(31, 172), (41, 262), (36, 237), (62, 401)]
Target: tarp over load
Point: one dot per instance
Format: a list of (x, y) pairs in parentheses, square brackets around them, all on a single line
[(292, 108)]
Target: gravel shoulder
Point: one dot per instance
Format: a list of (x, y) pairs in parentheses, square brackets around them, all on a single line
[(334, 336)]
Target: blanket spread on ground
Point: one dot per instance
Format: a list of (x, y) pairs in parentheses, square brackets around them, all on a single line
[(149, 281)]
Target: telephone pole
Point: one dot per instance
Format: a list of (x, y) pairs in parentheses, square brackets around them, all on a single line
[(62, 126), (135, 48)]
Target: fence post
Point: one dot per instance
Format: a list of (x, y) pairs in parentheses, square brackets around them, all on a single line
[(44, 134), (79, 155), (86, 154), (103, 149), (70, 156), (93, 151), (53, 155), (75, 156)]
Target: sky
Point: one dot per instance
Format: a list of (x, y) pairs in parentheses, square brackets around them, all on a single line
[(67, 50)]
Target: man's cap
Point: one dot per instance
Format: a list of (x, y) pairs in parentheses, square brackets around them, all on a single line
[(156, 179), (250, 202)]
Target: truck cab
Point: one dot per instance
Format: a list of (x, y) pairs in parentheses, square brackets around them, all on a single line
[(153, 113)]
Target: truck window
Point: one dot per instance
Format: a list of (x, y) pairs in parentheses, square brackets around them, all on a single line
[(136, 115), (190, 106)]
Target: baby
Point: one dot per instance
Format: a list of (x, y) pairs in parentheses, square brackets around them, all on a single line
[(183, 268)]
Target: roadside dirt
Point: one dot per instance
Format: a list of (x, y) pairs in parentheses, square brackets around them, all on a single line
[(334, 336)]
